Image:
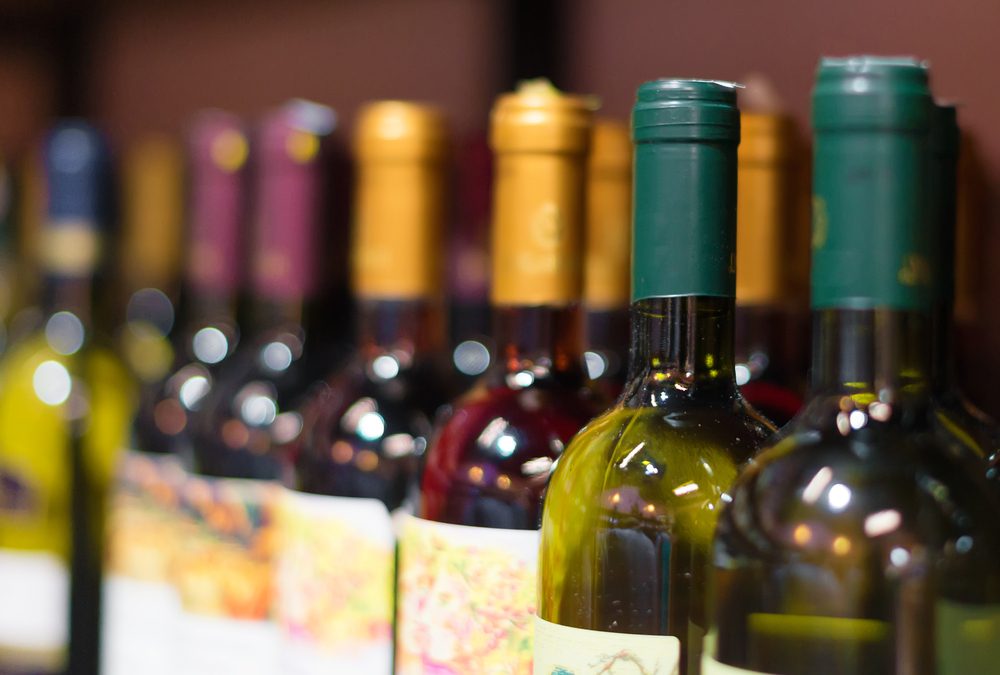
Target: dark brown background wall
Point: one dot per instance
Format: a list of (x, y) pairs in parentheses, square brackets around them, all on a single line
[(146, 65)]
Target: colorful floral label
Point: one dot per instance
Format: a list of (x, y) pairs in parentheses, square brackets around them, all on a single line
[(335, 581), (562, 650), (466, 600), (223, 572), (145, 526)]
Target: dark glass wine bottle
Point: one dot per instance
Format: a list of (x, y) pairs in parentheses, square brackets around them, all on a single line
[(474, 545), (147, 523), (770, 356), (861, 542), (630, 508), (606, 256), (367, 426), (207, 332), (138, 597), (955, 418), (65, 406), (225, 575)]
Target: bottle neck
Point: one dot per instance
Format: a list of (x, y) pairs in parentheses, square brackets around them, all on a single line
[(875, 354), (942, 349), (69, 294), (681, 346), (267, 314), (540, 339), (404, 329)]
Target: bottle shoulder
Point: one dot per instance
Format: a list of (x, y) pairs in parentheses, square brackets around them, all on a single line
[(828, 495)]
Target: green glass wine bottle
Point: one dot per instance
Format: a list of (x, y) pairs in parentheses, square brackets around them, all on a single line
[(631, 506), (861, 542), (954, 417)]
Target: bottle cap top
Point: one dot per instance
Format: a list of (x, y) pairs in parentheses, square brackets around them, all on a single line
[(765, 138), (400, 130), (539, 118), (875, 92), (674, 109)]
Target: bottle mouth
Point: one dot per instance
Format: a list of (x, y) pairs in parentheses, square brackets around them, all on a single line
[(686, 109)]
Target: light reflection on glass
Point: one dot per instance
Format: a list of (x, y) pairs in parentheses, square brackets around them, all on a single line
[(838, 497), (385, 367), (537, 466), (858, 419), (371, 426), (802, 534), (742, 374), (476, 474), (841, 545), (686, 488), (64, 333), (471, 357), (258, 410), (596, 364), (276, 356), (52, 383), (193, 391), (899, 556), (521, 379), (882, 522), (399, 445), (506, 445), (210, 345), (151, 306), (286, 427), (814, 490)]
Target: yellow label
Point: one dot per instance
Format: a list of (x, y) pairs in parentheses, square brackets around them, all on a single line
[(335, 580), (710, 666), (466, 599), (562, 650), (762, 217), (538, 229)]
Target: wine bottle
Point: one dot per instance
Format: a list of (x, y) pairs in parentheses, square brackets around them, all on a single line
[(631, 505), (768, 367), (606, 256), (207, 333), (467, 564), (860, 542), (224, 573), (139, 601), (65, 407), (150, 255), (955, 419), (371, 420)]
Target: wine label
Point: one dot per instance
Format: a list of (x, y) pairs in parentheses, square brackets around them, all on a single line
[(34, 612), (145, 527), (967, 637), (466, 599), (335, 567), (223, 571), (562, 650)]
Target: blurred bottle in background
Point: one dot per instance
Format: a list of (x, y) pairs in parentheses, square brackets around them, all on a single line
[(468, 262), (475, 543), (770, 351), (606, 256), (206, 333), (224, 574), (143, 522), (367, 427), (955, 419), (65, 407)]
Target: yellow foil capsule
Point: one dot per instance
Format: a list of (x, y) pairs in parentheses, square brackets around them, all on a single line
[(541, 138), (401, 150)]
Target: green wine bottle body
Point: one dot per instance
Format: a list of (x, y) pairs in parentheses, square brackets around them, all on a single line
[(864, 552), (629, 517)]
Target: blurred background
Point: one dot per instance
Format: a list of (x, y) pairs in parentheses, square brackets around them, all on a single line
[(139, 66)]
